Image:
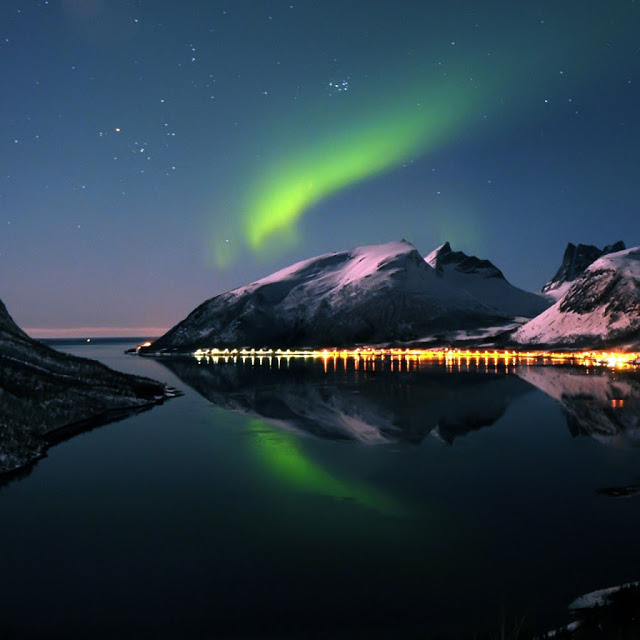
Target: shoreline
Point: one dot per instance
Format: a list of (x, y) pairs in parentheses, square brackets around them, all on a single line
[(447, 355), (65, 432)]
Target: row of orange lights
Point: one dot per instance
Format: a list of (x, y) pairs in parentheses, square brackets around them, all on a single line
[(612, 359)]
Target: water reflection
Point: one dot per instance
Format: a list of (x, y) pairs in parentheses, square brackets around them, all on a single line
[(405, 400), (602, 404), (384, 401), (380, 402), (281, 453)]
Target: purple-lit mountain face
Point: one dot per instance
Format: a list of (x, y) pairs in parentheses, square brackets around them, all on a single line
[(575, 261), (483, 280), (377, 294), (601, 309), (43, 391)]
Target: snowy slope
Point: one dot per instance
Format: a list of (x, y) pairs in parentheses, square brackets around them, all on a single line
[(600, 309), (369, 294), (575, 261), (483, 280), (556, 291)]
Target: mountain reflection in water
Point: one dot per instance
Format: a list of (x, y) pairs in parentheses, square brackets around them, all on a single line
[(599, 403), (596, 402), (391, 403), (394, 401)]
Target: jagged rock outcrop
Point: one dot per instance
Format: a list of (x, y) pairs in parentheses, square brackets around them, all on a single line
[(445, 257), (575, 261)]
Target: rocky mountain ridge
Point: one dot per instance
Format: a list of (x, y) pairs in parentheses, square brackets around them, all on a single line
[(601, 309), (43, 391), (575, 261), (390, 295), (375, 294), (485, 282)]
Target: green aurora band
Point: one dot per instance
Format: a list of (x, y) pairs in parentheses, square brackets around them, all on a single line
[(332, 143), (346, 147), (361, 149)]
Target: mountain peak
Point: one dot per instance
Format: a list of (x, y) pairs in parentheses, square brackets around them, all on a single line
[(614, 248), (575, 261), (7, 324), (483, 280), (372, 294), (445, 257), (600, 309)]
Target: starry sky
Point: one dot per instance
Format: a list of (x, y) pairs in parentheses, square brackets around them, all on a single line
[(155, 153)]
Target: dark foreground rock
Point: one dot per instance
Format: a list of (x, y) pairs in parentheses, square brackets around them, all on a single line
[(46, 395)]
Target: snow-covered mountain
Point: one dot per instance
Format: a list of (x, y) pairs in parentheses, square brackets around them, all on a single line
[(483, 280), (373, 294), (43, 390), (600, 309), (575, 261)]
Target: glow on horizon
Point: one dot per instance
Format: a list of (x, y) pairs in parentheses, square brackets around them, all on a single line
[(94, 332)]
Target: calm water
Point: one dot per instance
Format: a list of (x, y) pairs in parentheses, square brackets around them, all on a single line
[(293, 502)]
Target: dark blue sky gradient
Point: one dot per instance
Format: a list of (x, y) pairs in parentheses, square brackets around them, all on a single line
[(120, 229)]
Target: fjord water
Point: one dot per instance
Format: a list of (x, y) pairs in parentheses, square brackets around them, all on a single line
[(286, 502)]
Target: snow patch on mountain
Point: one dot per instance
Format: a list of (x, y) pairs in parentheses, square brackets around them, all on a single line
[(557, 291), (342, 268)]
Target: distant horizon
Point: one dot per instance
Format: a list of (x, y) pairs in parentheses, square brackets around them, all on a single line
[(44, 333)]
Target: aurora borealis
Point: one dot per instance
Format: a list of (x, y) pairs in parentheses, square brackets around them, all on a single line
[(394, 122), (358, 149), (176, 150)]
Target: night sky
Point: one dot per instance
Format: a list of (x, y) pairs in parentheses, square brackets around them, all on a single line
[(155, 153)]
